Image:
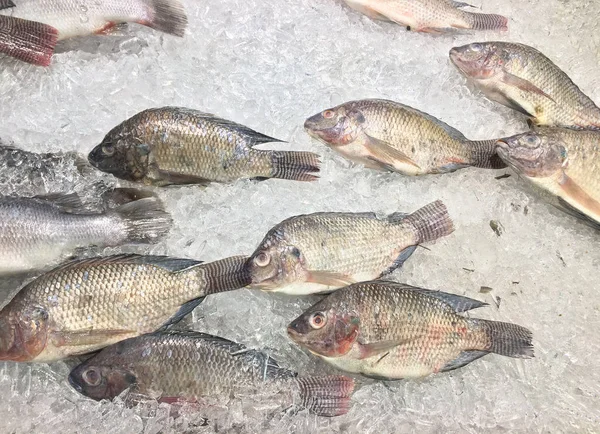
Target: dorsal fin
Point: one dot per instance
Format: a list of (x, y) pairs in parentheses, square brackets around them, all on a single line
[(165, 262)]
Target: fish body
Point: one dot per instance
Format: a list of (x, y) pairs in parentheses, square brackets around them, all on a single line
[(86, 305), (522, 78), (561, 161), (432, 16), (80, 18), (391, 330), (324, 251), (174, 145), (387, 135), (187, 366), (37, 232), (29, 41)]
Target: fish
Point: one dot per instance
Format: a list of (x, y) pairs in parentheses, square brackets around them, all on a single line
[(322, 252), (88, 304), (187, 366), (173, 145), (560, 161), (390, 330), (429, 16), (26, 40), (387, 135), (523, 79), (73, 18), (40, 231)]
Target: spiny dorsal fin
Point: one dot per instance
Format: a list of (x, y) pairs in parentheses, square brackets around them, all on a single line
[(165, 262)]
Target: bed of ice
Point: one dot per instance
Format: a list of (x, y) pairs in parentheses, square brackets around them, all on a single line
[(269, 65)]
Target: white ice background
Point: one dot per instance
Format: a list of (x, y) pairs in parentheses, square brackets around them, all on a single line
[(269, 64)]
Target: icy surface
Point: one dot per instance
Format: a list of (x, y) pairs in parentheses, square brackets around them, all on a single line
[(269, 65)]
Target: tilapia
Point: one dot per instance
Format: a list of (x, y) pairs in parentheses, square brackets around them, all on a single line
[(37, 232), (432, 16), (563, 162), (391, 330), (78, 18), (321, 252), (172, 145), (387, 135), (188, 366), (26, 40), (522, 78), (88, 304)]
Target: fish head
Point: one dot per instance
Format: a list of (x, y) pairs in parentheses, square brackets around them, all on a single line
[(480, 60), (337, 126), (121, 155), (105, 375), (325, 330), (534, 155), (23, 332)]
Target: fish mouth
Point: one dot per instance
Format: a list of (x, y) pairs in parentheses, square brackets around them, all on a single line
[(74, 383)]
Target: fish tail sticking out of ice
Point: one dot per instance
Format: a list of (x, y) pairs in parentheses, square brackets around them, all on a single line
[(29, 41), (484, 155), (294, 165), (167, 16), (486, 21), (431, 222), (145, 220), (505, 339), (326, 396)]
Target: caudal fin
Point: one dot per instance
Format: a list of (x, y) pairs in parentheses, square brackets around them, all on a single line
[(431, 222), (507, 339), (298, 166), (167, 16), (29, 41), (146, 221), (326, 396), (483, 154), (487, 21), (226, 274)]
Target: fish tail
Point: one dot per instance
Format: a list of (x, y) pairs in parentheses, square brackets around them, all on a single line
[(298, 166), (29, 41), (326, 396), (484, 155), (167, 16), (506, 339), (225, 275), (486, 21), (431, 222), (145, 220)]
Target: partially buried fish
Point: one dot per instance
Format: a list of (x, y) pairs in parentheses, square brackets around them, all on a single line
[(29, 41), (188, 366), (432, 16), (324, 251), (37, 232), (563, 162), (391, 330), (387, 135), (77, 18), (173, 145), (88, 304), (522, 78)]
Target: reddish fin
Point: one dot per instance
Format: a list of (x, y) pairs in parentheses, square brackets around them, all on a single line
[(525, 85), (329, 278), (112, 29), (326, 396), (167, 16), (28, 41)]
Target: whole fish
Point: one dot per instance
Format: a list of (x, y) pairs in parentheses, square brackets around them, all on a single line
[(26, 40), (431, 16), (37, 232), (522, 78), (563, 162), (88, 304), (388, 135), (321, 252), (187, 366), (77, 18), (172, 145), (392, 330)]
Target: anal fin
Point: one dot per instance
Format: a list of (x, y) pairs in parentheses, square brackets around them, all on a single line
[(183, 311), (400, 260), (463, 359)]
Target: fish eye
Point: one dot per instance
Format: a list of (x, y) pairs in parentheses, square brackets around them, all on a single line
[(108, 149), (476, 47), (531, 139), (92, 377), (262, 259), (328, 114), (317, 320), (295, 252)]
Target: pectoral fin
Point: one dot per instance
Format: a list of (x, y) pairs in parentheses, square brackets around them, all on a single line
[(375, 348), (165, 177), (88, 337), (525, 85), (329, 278), (386, 154), (588, 209)]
